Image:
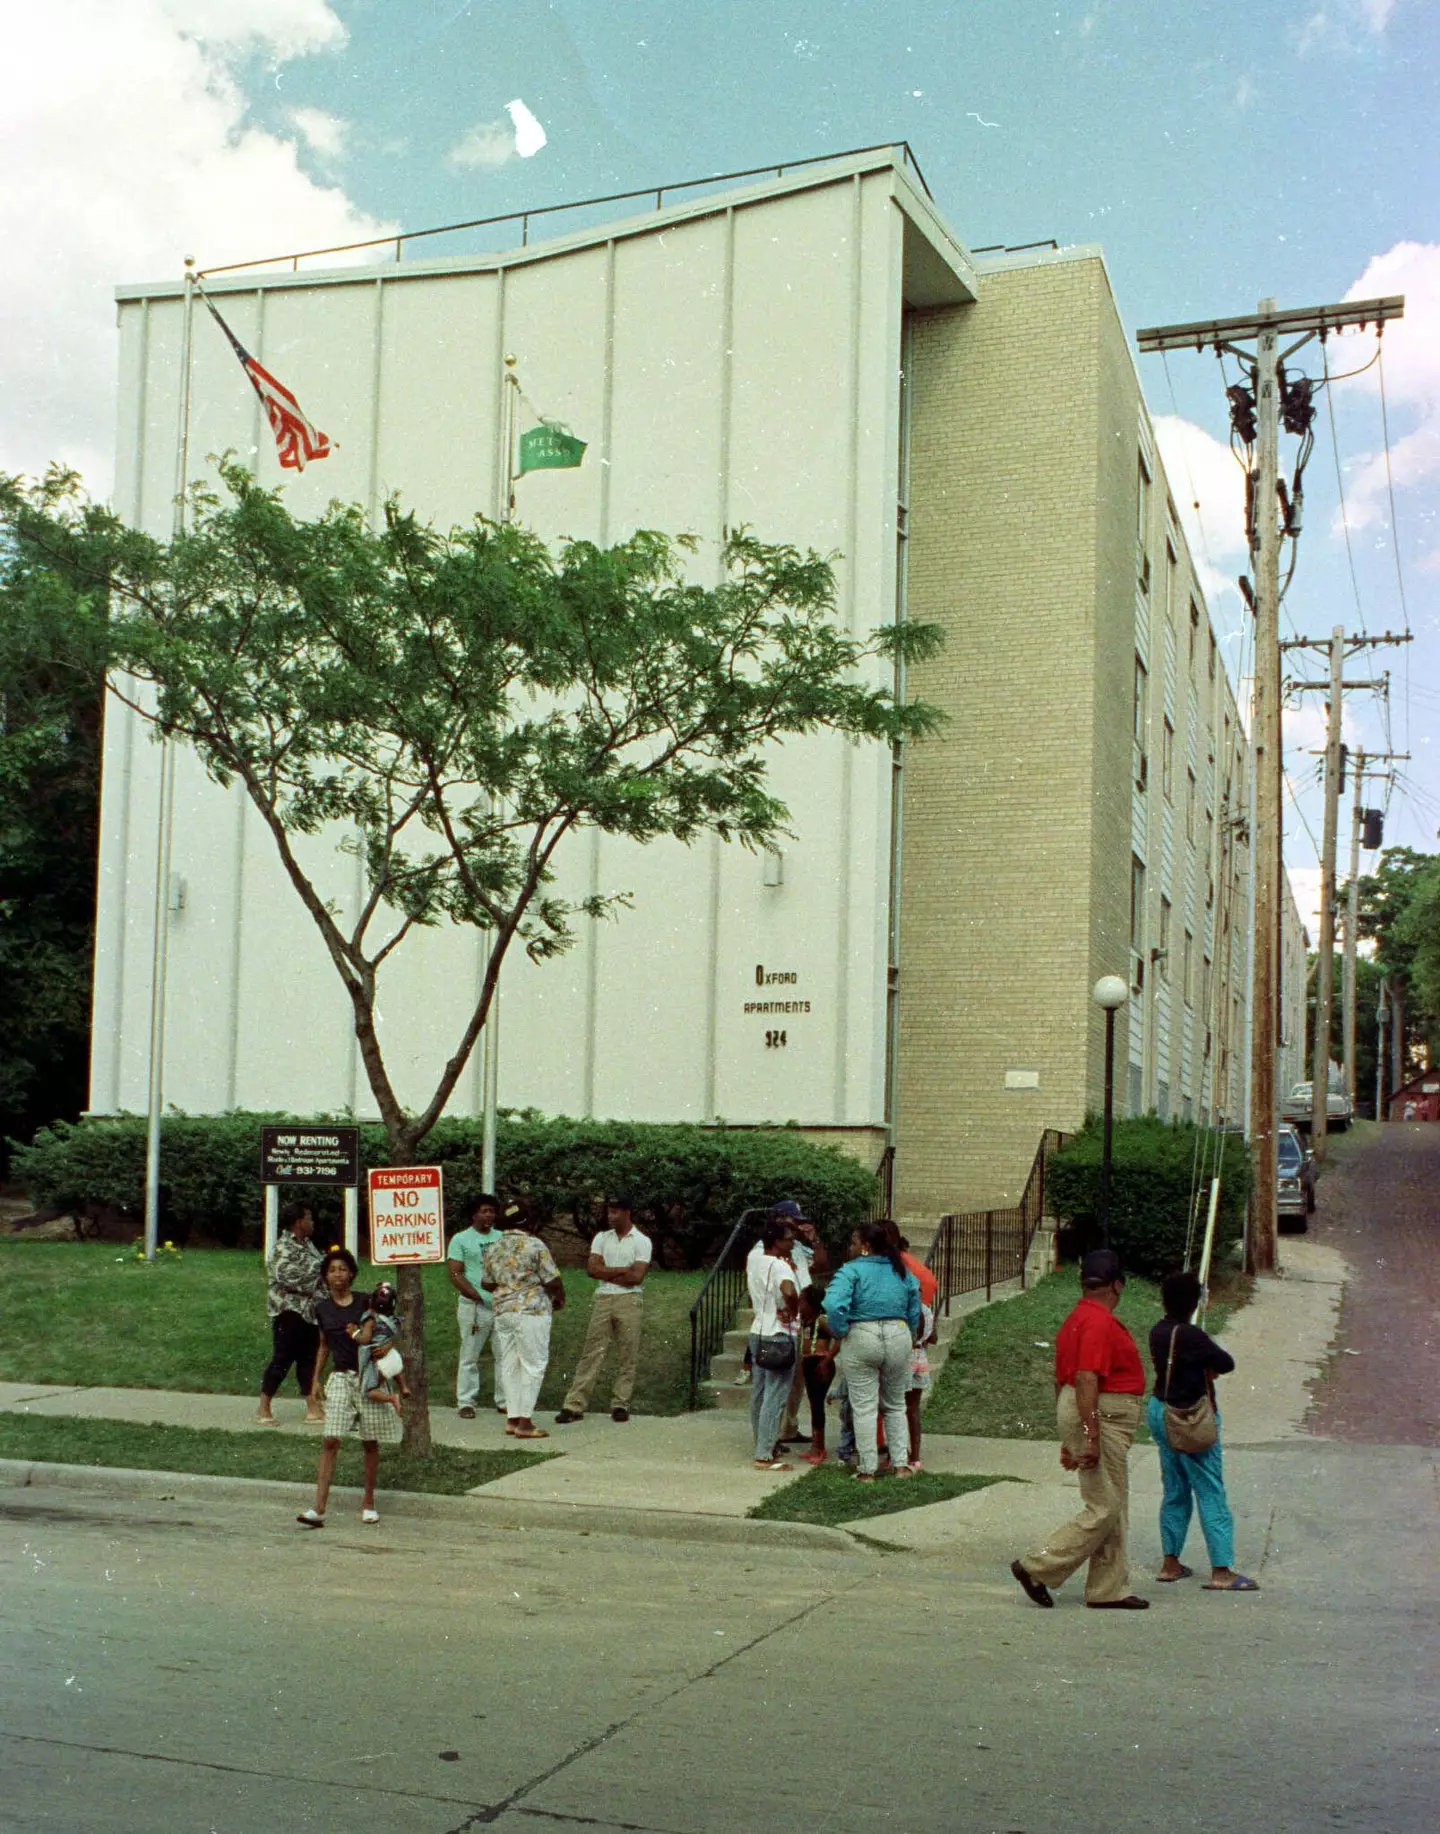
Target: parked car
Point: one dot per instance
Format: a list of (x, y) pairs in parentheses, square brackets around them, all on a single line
[(1297, 1106), (1295, 1201)]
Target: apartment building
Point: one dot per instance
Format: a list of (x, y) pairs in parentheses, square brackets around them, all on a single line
[(817, 355)]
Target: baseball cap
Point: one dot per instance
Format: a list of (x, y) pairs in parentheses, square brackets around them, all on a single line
[(620, 1200), (788, 1211), (1100, 1267)]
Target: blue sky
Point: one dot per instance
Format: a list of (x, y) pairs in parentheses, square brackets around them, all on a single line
[(1218, 152)]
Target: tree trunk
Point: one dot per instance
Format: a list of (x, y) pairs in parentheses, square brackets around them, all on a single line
[(411, 1288)]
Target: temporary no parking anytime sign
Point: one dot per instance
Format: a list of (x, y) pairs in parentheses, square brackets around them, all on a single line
[(407, 1215)]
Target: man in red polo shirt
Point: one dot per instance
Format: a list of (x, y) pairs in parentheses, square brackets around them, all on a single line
[(1099, 1385)]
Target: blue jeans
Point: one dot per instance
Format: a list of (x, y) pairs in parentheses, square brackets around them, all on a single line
[(875, 1356), (769, 1391), (1192, 1479)]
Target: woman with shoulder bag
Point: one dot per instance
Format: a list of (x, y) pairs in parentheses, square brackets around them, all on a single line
[(873, 1306), (774, 1296), (1185, 1426)]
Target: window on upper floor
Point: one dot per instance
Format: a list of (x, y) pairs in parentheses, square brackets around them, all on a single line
[(1212, 656), (1164, 943), (1194, 634), (1187, 969), (1189, 805), (1142, 686), (1137, 903), (1167, 761), (1172, 569), (1142, 522)]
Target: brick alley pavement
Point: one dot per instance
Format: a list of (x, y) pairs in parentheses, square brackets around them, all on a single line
[(1379, 1205)]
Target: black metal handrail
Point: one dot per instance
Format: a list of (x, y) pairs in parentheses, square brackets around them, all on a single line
[(881, 1204), (975, 1248), (719, 1297), (522, 217)]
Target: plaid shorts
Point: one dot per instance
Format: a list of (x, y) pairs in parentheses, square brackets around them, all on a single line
[(348, 1413)]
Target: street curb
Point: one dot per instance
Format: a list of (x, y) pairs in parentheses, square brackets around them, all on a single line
[(473, 1507)]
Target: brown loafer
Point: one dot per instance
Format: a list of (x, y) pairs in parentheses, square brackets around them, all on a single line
[(1037, 1594), (1132, 1603)]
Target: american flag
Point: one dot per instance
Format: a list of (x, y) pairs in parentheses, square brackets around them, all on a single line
[(297, 439)]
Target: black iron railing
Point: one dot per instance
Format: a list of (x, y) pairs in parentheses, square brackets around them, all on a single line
[(719, 1297), (881, 1204), (985, 1248)]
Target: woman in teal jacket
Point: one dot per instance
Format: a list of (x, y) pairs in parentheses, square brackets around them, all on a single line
[(873, 1306)]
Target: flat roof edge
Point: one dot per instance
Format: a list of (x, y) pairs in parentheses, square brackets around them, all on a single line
[(916, 204)]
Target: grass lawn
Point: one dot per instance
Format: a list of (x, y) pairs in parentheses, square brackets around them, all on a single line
[(830, 1495), (999, 1382), (90, 1314), (448, 1471)]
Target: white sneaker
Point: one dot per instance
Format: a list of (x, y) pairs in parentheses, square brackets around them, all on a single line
[(369, 1515)]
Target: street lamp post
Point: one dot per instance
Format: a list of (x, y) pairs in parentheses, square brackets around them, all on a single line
[(1109, 992)]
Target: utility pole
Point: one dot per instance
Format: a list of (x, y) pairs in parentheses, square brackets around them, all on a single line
[(1338, 646), (1256, 414), (1325, 979), (1359, 825)]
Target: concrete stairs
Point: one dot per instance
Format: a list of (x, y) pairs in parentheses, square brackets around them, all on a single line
[(721, 1389)]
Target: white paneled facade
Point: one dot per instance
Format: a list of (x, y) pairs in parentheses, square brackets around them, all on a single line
[(735, 361)]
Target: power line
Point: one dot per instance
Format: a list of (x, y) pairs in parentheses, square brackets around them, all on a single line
[(1340, 485), (1394, 530)]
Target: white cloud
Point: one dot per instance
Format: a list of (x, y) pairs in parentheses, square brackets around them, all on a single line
[(491, 144), (529, 135), (283, 28), (323, 133), (126, 146), (1411, 348), (1209, 491), (1334, 29)]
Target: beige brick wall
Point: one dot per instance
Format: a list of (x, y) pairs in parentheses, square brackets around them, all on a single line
[(1026, 427), (996, 912)]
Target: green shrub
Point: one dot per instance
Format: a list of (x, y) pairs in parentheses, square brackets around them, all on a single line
[(1156, 1167), (690, 1183)]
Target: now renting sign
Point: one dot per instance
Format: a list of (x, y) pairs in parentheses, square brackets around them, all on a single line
[(407, 1215)]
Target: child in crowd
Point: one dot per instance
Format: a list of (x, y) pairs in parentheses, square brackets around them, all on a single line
[(381, 1363), (817, 1361), (919, 1382)]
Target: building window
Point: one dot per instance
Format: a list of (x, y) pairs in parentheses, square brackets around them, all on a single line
[(1142, 524), (1164, 945), (1206, 972), (1171, 570), (1187, 969), (1212, 655), (1167, 761), (1194, 633), (1137, 904), (1189, 805)]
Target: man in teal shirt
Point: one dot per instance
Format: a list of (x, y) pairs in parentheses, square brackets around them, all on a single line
[(463, 1264)]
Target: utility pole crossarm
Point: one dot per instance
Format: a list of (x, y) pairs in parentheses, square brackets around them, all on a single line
[(1208, 333)]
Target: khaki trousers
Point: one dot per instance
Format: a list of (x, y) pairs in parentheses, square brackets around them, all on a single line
[(617, 1318), (1097, 1534)]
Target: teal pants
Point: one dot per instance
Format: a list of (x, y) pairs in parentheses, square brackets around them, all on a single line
[(1193, 1480)]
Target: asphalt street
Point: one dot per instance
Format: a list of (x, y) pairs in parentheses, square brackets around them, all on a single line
[(170, 1668)]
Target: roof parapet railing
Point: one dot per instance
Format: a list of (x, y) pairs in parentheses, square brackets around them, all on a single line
[(523, 217)]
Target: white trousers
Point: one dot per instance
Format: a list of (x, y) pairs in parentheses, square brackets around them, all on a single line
[(474, 1322), (522, 1354)]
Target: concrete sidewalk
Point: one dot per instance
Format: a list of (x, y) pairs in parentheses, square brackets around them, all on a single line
[(662, 1474)]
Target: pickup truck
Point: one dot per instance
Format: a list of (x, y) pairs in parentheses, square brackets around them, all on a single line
[(1297, 1106)]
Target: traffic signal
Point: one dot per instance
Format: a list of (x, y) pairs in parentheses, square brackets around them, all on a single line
[(1372, 833)]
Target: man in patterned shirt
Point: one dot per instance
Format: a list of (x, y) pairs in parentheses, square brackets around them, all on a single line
[(292, 1285), (526, 1291)]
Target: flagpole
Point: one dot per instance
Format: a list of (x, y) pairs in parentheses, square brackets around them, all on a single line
[(490, 1059), (165, 819)]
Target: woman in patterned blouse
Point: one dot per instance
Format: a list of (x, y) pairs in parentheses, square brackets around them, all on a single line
[(292, 1287)]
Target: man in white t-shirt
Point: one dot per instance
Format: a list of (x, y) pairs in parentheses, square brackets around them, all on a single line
[(619, 1261)]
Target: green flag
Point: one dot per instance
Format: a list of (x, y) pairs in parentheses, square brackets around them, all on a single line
[(549, 448)]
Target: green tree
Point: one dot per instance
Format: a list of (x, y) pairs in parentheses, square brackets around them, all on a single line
[(52, 659), (453, 707), (1400, 910)]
